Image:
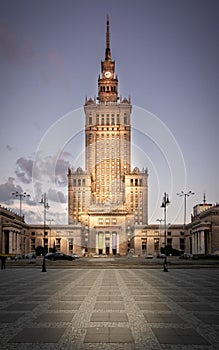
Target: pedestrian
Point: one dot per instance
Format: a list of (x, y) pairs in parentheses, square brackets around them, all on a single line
[(165, 264), (3, 259)]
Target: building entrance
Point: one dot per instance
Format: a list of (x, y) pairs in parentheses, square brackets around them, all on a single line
[(107, 243)]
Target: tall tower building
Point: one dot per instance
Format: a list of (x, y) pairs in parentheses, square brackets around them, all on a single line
[(108, 198)]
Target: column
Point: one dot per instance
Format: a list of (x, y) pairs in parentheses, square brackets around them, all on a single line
[(97, 244), (202, 242), (111, 239), (10, 245)]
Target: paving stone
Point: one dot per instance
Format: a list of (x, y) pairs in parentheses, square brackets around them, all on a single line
[(109, 317), (21, 307), (179, 336), (38, 335), (55, 317), (109, 298), (153, 306), (108, 335), (109, 306), (146, 298), (72, 297), (183, 298), (9, 317), (64, 306), (197, 307), (163, 318), (208, 318)]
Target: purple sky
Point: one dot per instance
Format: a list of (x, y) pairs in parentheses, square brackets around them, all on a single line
[(167, 59)]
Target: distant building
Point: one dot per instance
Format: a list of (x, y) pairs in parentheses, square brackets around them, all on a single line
[(203, 231)]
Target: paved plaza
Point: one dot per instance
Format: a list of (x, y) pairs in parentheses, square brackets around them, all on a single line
[(109, 309)]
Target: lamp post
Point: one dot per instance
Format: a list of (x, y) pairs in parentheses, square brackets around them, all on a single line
[(46, 206), (20, 195), (185, 194), (50, 220), (164, 204), (160, 221)]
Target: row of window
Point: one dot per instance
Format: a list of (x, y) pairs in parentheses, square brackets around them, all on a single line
[(136, 182), (78, 182), (107, 221), (107, 88), (107, 120), (157, 243)]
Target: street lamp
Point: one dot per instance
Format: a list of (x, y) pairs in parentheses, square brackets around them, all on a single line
[(164, 204), (160, 221), (185, 194), (20, 195), (50, 220), (46, 206)]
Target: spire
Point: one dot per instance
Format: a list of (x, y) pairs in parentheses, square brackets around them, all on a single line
[(107, 55), (204, 198)]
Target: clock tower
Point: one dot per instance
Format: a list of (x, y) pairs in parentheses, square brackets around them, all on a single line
[(107, 82)]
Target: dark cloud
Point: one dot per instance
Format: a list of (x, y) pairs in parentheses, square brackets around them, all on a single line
[(9, 148), (57, 196), (24, 170), (10, 48), (6, 189)]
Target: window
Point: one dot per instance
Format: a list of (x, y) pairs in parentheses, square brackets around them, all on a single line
[(144, 245), (107, 221), (114, 221), (169, 233), (156, 244), (100, 221), (182, 243), (125, 119), (90, 120)]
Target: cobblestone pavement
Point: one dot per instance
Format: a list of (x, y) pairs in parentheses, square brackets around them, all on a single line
[(109, 309)]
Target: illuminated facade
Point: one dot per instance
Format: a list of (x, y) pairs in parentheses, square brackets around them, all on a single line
[(108, 198)]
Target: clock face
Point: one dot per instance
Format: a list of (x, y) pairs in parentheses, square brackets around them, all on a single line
[(107, 74)]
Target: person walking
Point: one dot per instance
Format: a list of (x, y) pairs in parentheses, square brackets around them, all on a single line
[(3, 259)]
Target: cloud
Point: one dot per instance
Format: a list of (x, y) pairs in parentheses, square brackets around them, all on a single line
[(24, 170), (56, 60), (6, 189), (10, 48), (9, 148), (52, 169), (57, 196)]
